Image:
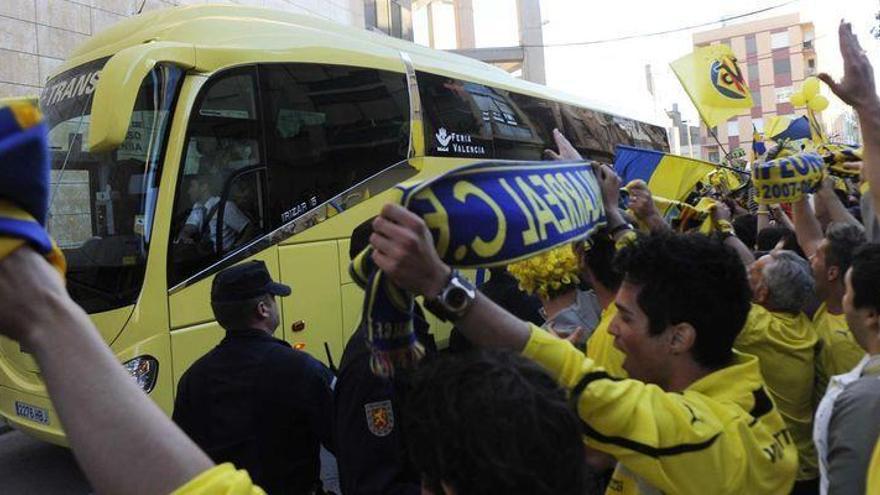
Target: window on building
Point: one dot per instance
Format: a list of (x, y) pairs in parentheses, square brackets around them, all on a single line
[(781, 65), (809, 36), (219, 205), (328, 128), (754, 74), (392, 17), (779, 40), (371, 19), (751, 45), (783, 94), (714, 157), (733, 128), (756, 96)]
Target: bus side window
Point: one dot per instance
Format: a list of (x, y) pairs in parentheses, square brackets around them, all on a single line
[(220, 193), (328, 128)]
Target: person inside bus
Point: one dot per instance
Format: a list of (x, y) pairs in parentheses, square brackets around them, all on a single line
[(200, 227), (253, 400)]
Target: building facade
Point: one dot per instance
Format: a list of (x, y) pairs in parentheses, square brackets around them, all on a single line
[(36, 36), (775, 54), (449, 25)]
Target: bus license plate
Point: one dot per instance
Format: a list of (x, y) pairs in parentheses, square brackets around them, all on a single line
[(33, 413)]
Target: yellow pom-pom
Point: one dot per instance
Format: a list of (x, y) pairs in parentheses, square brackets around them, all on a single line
[(810, 88), (818, 103), (548, 273)]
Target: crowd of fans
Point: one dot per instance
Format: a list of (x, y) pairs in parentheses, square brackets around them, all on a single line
[(742, 361)]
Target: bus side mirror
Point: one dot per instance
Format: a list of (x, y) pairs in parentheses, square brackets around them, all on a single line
[(118, 86)]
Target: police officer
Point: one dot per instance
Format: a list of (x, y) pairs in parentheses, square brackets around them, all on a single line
[(371, 456), (253, 400)]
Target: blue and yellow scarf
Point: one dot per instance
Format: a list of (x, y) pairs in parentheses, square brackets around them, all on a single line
[(480, 215), (24, 183)]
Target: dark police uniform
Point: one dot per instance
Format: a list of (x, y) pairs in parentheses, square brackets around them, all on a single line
[(371, 455), (256, 402)]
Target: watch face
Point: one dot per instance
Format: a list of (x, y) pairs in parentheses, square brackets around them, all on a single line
[(456, 298)]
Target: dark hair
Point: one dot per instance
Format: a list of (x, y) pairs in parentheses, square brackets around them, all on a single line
[(235, 315), (843, 239), (865, 274), (488, 422), (600, 259), (694, 279), (746, 228), (360, 237)]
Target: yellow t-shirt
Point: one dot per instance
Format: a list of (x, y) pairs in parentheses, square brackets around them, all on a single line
[(839, 352), (221, 480), (722, 435), (600, 346), (785, 345)]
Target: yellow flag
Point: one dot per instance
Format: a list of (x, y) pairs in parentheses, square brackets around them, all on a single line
[(713, 80)]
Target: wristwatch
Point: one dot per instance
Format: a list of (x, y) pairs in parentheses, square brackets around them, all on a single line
[(454, 300)]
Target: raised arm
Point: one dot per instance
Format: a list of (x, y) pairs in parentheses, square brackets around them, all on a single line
[(806, 226), (721, 219), (641, 202), (857, 89), (121, 439), (832, 203)]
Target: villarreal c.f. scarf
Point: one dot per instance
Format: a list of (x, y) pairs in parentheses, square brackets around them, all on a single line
[(24, 183), (480, 215)]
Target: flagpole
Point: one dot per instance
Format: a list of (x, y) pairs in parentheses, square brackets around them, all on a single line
[(726, 154)]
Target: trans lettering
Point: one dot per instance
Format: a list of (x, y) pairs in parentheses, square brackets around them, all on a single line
[(74, 87)]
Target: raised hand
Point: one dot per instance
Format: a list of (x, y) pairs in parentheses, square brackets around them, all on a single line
[(566, 150), (856, 88)]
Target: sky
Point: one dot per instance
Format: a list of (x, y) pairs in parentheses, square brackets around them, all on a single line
[(613, 73)]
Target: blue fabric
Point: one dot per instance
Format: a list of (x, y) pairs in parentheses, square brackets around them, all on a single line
[(635, 163), (31, 232), (798, 129), (759, 147), (24, 166)]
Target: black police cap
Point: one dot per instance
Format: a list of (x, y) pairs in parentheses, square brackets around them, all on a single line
[(245, 281)]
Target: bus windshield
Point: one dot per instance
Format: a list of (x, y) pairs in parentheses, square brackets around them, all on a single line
[(102, 203)]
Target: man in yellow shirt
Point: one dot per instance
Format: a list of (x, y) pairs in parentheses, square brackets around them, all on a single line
[(830, 256), (783, 339), (695, 418)]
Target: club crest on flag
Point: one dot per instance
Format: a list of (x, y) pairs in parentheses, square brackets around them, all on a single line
[(728, 79), (380, 417)]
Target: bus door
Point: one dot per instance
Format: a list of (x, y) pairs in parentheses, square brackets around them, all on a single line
[(219, 213)]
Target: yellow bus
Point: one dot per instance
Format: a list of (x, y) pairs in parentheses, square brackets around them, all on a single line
[(189, 139)]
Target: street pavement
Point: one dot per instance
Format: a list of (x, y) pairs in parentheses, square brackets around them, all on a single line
[(29, 466)]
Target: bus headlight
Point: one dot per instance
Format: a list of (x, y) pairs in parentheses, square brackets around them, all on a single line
[(144, 370)]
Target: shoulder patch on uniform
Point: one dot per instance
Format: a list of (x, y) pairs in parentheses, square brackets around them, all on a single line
[(380, 417)]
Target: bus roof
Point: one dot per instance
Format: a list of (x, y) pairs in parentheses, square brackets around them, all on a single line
[(286, 36)]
